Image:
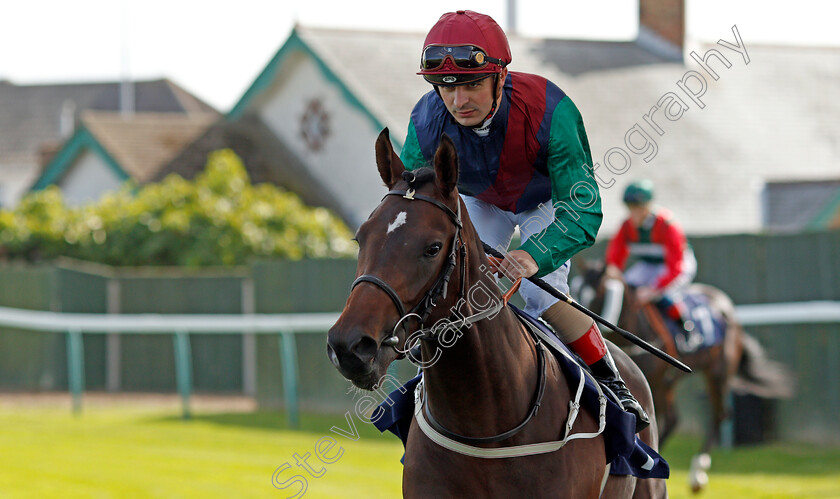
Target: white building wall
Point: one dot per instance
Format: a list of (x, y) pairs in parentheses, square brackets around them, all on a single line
[(16, 177), (345, 164), (87, 179)]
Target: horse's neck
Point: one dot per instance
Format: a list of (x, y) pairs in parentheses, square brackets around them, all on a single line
[(492, 364)]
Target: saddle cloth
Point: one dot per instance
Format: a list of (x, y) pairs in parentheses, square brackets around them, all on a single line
[(626, 454), (709, 326)]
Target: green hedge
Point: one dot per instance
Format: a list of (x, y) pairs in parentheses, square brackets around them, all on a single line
[(219, 218)]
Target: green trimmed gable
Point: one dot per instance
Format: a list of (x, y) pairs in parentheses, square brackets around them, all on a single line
[(81, 141), (296, 44)]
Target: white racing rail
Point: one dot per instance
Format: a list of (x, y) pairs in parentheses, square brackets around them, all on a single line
[(811, 312), (180, 326), (285, 326)]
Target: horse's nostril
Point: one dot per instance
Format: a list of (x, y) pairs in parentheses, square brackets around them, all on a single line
[(365, 348), (331, 354)]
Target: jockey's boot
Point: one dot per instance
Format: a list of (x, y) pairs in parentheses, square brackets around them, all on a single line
[(568, 323), (606, 372), (678, 312)]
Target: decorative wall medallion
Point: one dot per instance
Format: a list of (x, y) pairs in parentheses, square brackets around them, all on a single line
[(315, 125)]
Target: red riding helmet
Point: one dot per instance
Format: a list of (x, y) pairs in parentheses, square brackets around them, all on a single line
[(463, 47)]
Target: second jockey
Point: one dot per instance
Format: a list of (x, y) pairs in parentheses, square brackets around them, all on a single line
[(666, 263)]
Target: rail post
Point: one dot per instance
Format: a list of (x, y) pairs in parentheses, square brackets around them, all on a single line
[(76, 368), (183, 370), (288, 363)]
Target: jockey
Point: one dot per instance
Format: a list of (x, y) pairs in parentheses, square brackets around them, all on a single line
[(524, 161), (666, 264)]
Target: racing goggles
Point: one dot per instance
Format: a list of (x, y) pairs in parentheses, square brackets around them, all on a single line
[(467, 57)]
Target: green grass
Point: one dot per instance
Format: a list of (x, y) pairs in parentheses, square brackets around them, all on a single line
[(130, 452), (136, 451), (758, 472)]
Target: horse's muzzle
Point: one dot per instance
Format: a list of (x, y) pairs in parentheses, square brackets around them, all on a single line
[(354, 354)]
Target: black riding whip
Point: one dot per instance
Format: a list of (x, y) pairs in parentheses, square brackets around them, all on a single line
[(632, 338)]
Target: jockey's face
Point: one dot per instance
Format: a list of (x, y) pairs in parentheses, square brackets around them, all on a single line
[(638, 212), (469, 104)]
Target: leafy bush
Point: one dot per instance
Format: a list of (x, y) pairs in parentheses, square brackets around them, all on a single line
[(219, 218)]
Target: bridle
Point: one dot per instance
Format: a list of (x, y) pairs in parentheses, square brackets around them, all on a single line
[(439, 288)]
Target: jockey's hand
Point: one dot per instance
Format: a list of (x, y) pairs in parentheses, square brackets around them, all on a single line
[(613, 272), (518, 263), (645, 295)]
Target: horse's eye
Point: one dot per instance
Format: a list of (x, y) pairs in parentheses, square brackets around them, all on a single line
[(434, 249)]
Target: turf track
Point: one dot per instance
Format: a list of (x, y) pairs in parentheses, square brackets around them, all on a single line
[(131, 449)]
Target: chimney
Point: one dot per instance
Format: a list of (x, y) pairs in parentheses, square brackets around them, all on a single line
[(67, 119), (663, 22), (126, 97), (512, 28), (126, 83)]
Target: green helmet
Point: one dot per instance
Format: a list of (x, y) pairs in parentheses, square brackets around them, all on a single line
[(639, 192)]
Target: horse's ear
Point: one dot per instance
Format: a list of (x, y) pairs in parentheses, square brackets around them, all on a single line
[(446, 166), (387, 162)]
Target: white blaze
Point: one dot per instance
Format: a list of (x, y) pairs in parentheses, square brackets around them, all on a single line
[(400, 220)]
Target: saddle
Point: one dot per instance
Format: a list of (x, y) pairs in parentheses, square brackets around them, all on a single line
[(709, 326)]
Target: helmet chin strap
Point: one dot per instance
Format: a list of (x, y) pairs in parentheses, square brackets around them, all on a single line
[(493, 107)]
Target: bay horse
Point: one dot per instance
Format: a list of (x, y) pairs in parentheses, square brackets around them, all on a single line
[(420, 256), (738, 363)]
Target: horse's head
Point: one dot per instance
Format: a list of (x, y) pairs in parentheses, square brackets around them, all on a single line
[(405, 247)]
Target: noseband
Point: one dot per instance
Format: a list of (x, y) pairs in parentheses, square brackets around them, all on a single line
[(438, 290)]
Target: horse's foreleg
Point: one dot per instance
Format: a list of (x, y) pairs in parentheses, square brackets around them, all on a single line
[(670, 415), (717, 385), (666, 408), (697, 476)]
